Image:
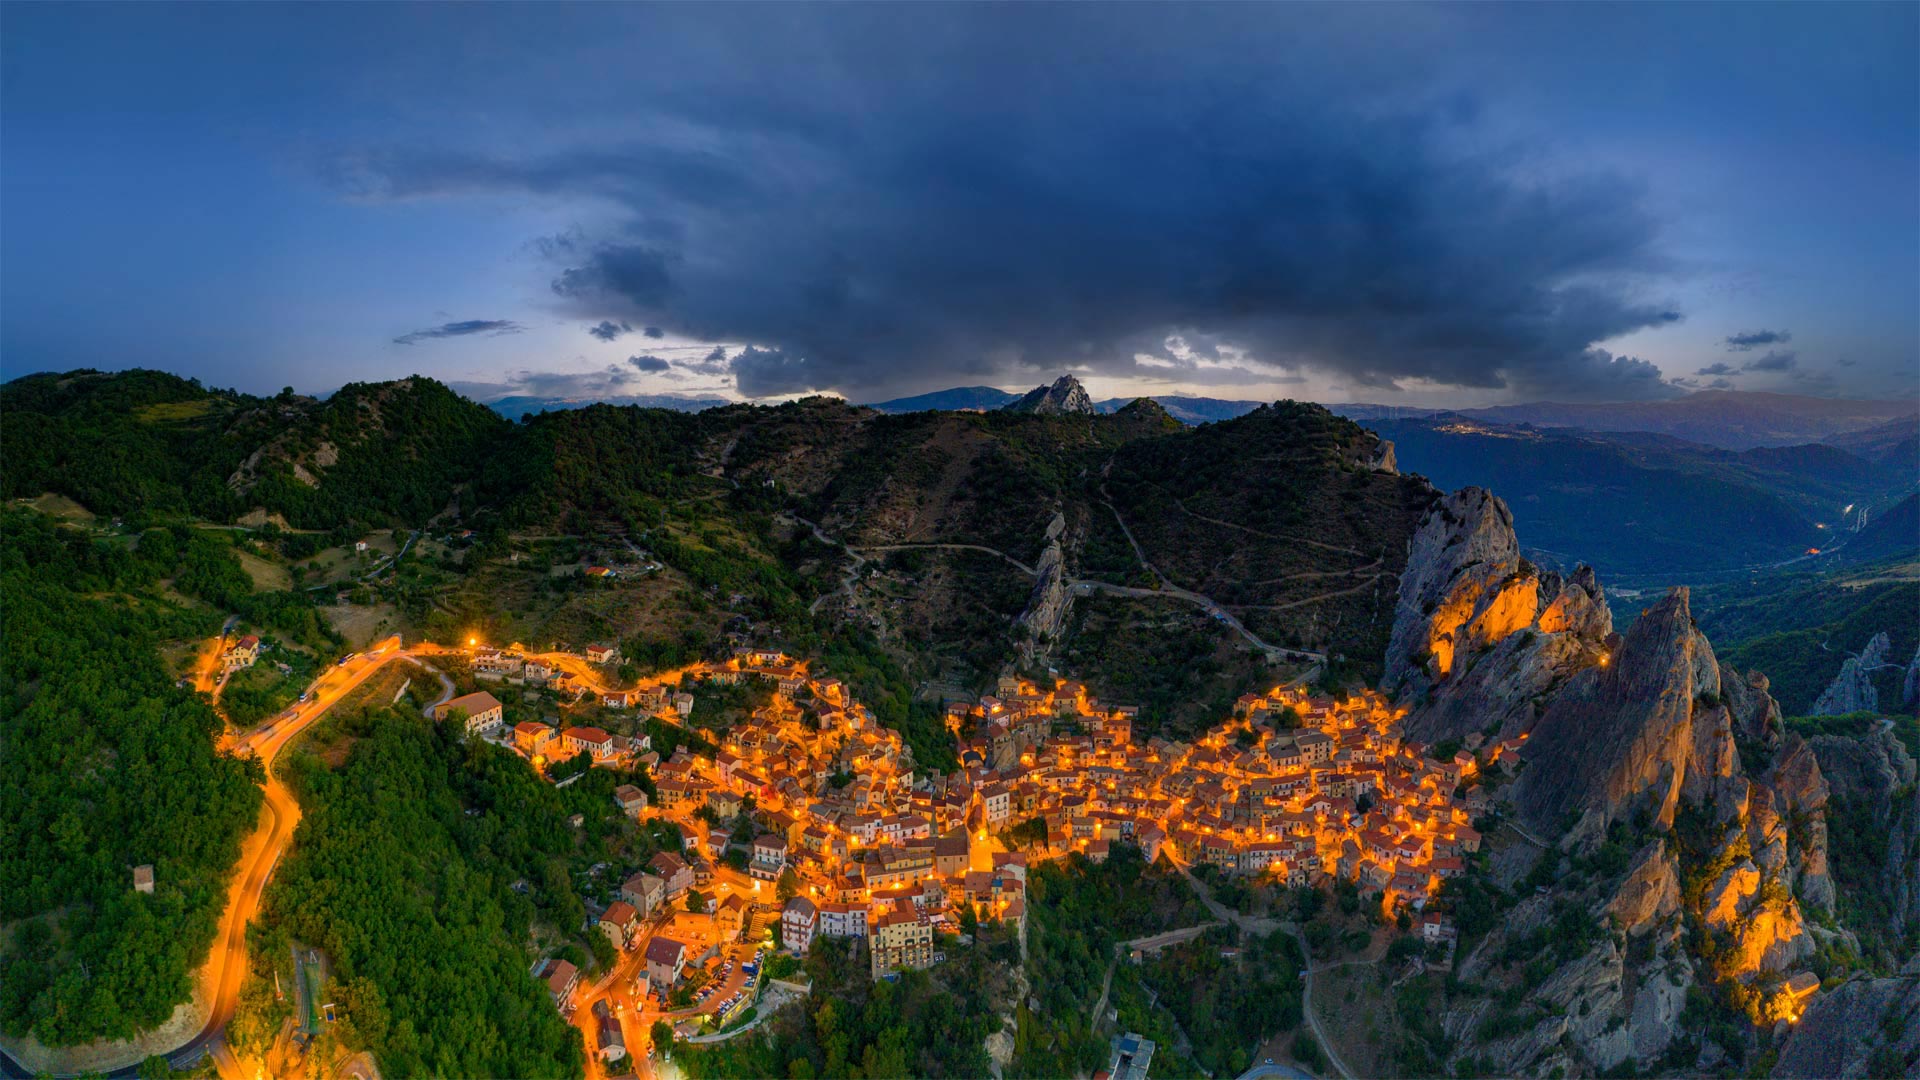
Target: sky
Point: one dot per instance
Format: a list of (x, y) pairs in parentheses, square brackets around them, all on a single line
[(1422, 205)]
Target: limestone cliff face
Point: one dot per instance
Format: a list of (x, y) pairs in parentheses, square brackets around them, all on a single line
[(1863, 1028), (1046, 611), (1624, 735), (1633, 732), (1482, 638), (1852, 690)]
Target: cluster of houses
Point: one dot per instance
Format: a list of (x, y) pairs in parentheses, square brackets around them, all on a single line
[(1293, 788)]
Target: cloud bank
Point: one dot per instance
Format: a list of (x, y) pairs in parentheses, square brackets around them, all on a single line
[(871, 221), (468, 328)]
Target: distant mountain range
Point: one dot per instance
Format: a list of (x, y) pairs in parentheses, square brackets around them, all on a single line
[(1187, 410), (513, 408), (1728, 419), (1649, 504)]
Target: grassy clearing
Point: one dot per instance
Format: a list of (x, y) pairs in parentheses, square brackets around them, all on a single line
[(173, 412), (361, 624), (61, 507), (267, 576)]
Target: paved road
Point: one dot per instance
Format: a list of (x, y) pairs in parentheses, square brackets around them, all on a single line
[(280, 815), (1313, 1019), (1081, 586)]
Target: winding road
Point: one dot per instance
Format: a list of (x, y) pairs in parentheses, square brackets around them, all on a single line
[(1079, 586), (1264, 926), (226, 964)]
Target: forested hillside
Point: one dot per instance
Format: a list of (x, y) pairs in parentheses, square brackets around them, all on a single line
[(936, 523), (109, 766), (149, 443), (401, 870), (1800, 631)]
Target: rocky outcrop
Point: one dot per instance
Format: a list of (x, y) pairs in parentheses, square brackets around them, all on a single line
[(1636, 731), (1644, 737), (1047, 605), (1383, 459), (1648, 894), (1910, 687), (1870, 768), (1801, 792), (1875, 775), (1066, 396), (1863, 1028), (1852, 690), (1602, 1004), (1481, 637)]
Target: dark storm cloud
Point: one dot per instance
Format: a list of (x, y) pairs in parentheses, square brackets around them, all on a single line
[(714, 363), (1719, 367), (636, 275), (1774, 360), (608, 330), (1754, 339), (654, 332), (488, 327), (651, 365), (870, 215)]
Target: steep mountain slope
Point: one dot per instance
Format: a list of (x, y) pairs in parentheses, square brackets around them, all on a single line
[(392, 451), (1895, 444), (1894, 533), (1683, 829)]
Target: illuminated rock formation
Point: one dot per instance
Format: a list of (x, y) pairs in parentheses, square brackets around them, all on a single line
[(1628, 738), (1482, 637)]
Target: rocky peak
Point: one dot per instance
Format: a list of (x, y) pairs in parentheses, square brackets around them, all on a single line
[(1481, 635), (1852, 690), (1064, 397), (1646, 730), (1622, 734)]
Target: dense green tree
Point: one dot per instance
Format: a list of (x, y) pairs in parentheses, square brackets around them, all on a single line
[(109, 766)]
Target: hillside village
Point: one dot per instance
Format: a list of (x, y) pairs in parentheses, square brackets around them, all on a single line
[(852, 840)]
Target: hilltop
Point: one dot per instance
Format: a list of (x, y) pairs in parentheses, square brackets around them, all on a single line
[(952, 544)]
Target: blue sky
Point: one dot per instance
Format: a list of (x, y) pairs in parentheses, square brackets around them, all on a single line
[(1417, 204)]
